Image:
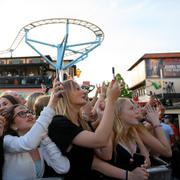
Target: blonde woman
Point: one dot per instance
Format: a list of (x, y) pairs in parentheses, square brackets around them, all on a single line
[(70, 134), (127, 142), (67, 129)]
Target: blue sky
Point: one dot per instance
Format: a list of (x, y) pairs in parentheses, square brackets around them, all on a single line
[(132, 28)]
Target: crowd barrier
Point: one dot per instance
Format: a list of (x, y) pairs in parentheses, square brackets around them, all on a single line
[(50, 178), (161, 172)]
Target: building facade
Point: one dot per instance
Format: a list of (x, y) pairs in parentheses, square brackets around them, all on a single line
[(158, 74), (28, 74)]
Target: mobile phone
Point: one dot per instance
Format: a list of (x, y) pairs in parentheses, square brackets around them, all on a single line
[(58, 78), (138, 159), (57, 74), (113, 73)]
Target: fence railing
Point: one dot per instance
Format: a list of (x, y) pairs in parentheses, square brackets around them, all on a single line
[(161, 172)]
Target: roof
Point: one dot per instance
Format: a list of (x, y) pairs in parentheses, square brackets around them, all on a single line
[(24, 91), (21, 57), (155, 56)]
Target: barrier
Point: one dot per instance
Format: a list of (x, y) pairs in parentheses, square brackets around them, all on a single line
[(161, 172), (50, 178)]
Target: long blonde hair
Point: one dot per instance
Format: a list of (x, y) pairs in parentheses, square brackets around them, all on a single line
[(121, 133), (65, 106)]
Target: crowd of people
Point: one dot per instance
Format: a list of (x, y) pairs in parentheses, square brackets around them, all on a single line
[(68, 135)]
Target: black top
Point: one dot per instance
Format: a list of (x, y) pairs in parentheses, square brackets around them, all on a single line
[(1, 156), (123, 159), (62, 131)]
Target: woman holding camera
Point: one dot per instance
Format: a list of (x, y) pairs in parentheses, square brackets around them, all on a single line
[(26, 144)]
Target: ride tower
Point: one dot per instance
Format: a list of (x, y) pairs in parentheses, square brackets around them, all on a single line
[(65, 49)]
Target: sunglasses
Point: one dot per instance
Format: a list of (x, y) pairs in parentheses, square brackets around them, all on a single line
[(24, 114)]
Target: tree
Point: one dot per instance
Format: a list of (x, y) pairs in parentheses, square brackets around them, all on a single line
[(125, 92)]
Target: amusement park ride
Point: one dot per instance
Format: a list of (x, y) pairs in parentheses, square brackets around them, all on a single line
[(76, 52)]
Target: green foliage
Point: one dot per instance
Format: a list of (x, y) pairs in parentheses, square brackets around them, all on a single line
[(125, 91)]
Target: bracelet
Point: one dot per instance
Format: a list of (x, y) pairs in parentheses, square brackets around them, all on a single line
[(156, 126), (126, 174)]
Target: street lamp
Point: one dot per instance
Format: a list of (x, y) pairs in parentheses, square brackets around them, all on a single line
[(78, 72)]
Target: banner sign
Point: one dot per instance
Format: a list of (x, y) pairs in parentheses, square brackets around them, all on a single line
[(171, 67)]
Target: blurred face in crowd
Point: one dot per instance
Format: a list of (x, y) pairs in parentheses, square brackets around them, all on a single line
[(87, 114), (102, 105), (141, 112), (4, 103), (17, 96)]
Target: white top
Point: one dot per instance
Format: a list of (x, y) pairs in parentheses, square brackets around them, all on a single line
[(32, 138), (18, 162)]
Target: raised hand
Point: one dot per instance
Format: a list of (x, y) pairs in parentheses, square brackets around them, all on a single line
[(98, 89), (114, 90), (139, 173), (103, 90), (152, 115), (56, 93)]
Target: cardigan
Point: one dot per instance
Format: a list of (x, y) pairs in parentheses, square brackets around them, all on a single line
[(20, 166), (16, 150)]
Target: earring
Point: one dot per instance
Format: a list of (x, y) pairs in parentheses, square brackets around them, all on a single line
[(15, 129)]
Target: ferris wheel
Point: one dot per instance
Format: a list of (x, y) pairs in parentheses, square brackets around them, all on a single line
[(65, 49)]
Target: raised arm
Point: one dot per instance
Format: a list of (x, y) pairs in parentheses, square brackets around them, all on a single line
[(143, 150), (107, 169), (158, 143), (100, 137), (54, 157), (106, 152), (102, 95), (33, 137)]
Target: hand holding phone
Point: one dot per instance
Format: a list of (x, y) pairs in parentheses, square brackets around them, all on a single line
[(57, 75), (138, 159), (58, 79), (113, 73)]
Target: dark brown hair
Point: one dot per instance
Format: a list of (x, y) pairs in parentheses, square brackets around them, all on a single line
[(9, 115), (10, 98)]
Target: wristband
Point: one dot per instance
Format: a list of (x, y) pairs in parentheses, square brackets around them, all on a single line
[(126, 174)]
